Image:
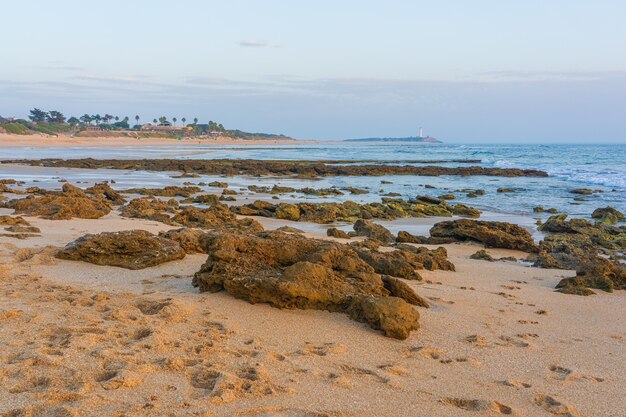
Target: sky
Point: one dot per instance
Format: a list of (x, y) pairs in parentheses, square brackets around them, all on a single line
[(467, 71)]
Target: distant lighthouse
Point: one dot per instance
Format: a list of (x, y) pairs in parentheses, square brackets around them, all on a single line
[(421, 132)]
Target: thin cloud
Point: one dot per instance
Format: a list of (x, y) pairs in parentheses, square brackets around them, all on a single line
[(254, 44), (62, 68)]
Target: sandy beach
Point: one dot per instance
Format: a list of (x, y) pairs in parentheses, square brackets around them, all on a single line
[(82, 339), (43, 141)]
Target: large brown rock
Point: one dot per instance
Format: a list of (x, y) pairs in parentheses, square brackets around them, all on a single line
[(492, 234), (396, 263), (373, 231), (149, 209), (71, 202), (188, 239), (131, 249), (292, 271)]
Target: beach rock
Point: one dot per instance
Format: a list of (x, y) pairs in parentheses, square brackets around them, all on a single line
[(607, 215), (301, 169), (447, 197), (397, 263), (596, 272), (130, 249), (13, 221), (406, 237), (464, 211), (215, 217), (208, 199), (334, 232), (427, 200), (373, 231), (288, 212), (506, 190), (289, 229), (356, 191), (582, 191), (400, 289), (149, 209), (277, 189), (492, 234), (188, 239), (292, 271), (430, 259), (103, 191), (69, 203), (22, 229), (218, 184), (393, 315), (482, 255), (169, 191)]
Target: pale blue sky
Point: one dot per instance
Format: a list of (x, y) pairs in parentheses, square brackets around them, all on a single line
[(468, 71)]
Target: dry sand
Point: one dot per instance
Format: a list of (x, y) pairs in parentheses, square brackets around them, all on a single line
[(83, 340), (61, 141)]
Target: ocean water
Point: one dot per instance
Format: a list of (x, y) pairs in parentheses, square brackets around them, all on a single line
[(599, 167)]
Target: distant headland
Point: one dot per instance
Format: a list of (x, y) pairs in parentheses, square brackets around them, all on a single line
[(418, 138), (426, 139)]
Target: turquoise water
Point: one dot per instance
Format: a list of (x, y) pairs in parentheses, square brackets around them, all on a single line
[(600, 167)]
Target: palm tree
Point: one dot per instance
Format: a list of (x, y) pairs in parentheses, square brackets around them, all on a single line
[(117, 118), (137, 119), (174, 120), (195, 120), (183, 120), (154, 121), (162, 119)]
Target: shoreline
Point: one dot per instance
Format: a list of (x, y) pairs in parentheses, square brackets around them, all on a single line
[(64, 141)]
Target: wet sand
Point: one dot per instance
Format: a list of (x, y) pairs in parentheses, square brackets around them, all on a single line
[(81, 339)]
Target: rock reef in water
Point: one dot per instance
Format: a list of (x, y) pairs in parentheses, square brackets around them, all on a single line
[(130, 249), (292, 271), (253, 167)]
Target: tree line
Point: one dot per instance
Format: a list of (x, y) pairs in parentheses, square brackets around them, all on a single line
[(106, 121)]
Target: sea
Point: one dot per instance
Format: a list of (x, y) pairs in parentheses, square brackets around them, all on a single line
[(601, 168)]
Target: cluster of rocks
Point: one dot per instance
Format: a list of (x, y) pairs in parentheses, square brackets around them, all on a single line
[(18, 227), (217, 216), (292, 271), (71, 202), (278, 189), (594, 251), (307, 169), (388, 209)]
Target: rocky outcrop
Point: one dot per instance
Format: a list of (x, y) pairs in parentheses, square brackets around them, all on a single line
[(334, 232), (491, 234), (103, 191), (304, 169), (13, 221), (130, 249), (215, 217), (70, 202), (607, 215), (594, 251), (388, 209), (406, 237), (373, 231), (396, 263), (169, 191), (148, 208), (188, 239), (292, 271)]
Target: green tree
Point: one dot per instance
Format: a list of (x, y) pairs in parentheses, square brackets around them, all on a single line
[(137, 119), (117, 118), (162, 120), (55, 117), (37, 115), (195, 120), (183, 120), (87, 119), (174, 120), (97, 118), (154, 121), (72, 121)]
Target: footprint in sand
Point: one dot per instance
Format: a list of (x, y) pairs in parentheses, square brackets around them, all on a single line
[(554, 406), (515, 384), (564, 374), (478, 405)]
